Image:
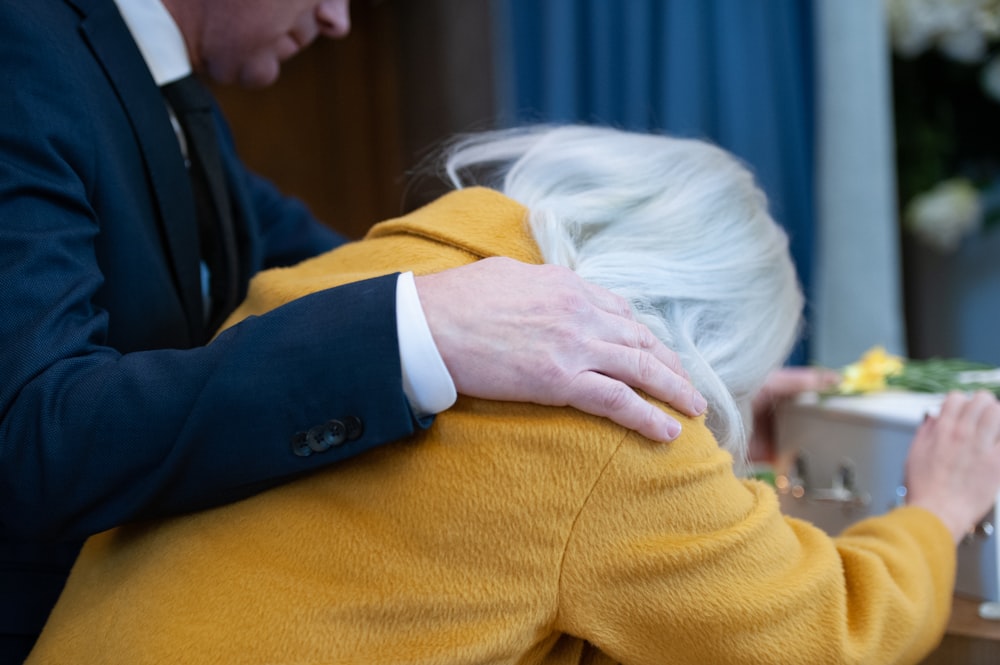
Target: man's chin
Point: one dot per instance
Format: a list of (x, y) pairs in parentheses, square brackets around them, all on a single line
[(259, 74)]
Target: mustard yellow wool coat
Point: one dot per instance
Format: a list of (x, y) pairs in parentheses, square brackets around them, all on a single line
[(505, 534)]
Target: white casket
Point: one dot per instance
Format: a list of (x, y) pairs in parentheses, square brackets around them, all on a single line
[(840, 459)]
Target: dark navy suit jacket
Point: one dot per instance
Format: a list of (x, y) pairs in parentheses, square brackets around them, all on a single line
[(111, 407)]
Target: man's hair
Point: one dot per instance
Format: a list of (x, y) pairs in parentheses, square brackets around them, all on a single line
[(676, 226)]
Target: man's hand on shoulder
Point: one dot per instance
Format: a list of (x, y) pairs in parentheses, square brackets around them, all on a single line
[(526, 333)]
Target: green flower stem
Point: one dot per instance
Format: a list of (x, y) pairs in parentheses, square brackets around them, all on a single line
[(939, 375)]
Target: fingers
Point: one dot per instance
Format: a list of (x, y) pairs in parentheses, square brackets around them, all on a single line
[(610, 302), (628, 351), (989, 423), (600, 395), (633, 333), (954, 465), (784, 384), (968, 418), (617, 346), (964, 419), (790, 381), (513, 331), (619, 352), (979, 412), (644, 369)]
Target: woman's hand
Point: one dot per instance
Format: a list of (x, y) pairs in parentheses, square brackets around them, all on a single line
[(782, 384), (526, 333), (953, 468)]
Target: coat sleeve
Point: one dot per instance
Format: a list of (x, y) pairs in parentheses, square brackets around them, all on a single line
[(90, 436), (675, 560)]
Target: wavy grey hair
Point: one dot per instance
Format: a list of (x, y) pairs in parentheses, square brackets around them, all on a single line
[(676, 226)]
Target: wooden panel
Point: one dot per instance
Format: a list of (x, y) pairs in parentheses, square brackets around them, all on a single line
[(970, 640), (328, 131), (963, 650), (446, 78), (349, 119)]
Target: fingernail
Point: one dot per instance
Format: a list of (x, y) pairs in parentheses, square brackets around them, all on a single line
[(699, 403), (673, 430)]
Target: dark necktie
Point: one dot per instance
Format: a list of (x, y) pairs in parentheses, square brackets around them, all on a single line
[(192, 104)]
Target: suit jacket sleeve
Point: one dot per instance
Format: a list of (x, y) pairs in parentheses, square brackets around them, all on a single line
[(674, 555), (100, 424)]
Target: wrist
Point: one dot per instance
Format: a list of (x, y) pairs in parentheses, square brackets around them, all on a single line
[(957, 525)]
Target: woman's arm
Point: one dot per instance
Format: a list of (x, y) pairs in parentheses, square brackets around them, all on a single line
[(674, 558)]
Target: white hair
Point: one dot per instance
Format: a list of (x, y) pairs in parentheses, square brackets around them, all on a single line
[(676, 226)]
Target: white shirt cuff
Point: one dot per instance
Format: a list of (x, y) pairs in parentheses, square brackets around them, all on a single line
[(426, 381)]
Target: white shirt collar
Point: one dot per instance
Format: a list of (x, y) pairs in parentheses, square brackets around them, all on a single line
[(158, 37)]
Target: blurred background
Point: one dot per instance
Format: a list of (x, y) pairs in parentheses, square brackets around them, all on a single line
[(872, 125)]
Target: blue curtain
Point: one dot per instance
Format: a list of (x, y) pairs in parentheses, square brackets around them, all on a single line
[(736, 72)]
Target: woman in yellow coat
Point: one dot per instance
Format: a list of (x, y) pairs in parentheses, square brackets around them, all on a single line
[(538, 534)]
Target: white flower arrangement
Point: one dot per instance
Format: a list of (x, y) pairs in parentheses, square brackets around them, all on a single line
[(945, 214), (947, 194), (961, 29)]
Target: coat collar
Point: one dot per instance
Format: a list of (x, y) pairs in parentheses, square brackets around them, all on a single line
[(480, 221)]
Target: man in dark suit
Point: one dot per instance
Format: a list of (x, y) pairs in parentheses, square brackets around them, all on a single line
[(123, 242)]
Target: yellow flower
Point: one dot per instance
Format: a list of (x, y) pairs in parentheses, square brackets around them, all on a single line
[(869, 374)]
